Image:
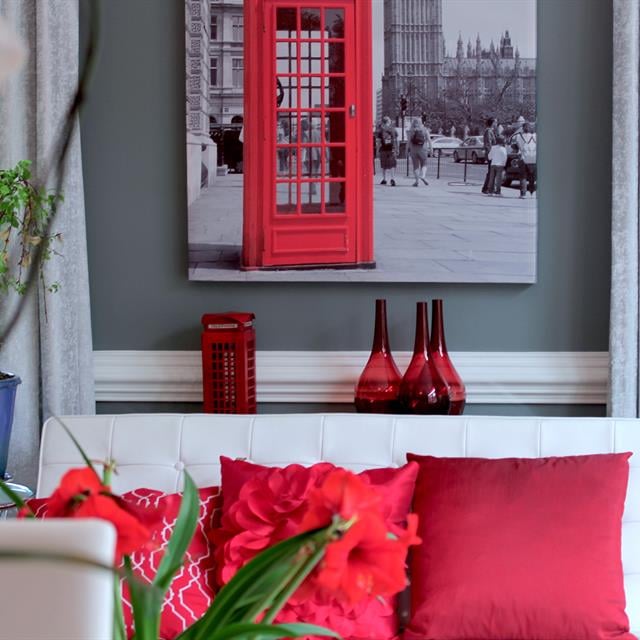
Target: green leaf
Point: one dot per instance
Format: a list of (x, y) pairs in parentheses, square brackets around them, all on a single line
[(181, 537), (17, 500), (261, 577), (119, 631), (258, 630), (146, 602)]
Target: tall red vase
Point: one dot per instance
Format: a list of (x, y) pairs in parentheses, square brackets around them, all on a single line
[(422, 389), (379, 383), (440, 356)]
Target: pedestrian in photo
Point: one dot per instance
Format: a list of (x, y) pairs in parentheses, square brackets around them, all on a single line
[(498, 159), (283, 152), (488, 140), (527, 144), (388, 150), (311, 156), (453, 131), (419, 150)]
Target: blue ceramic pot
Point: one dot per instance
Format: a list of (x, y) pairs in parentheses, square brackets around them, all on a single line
[(8, 388)]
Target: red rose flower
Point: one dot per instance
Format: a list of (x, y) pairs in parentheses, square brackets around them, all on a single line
[(365, 561)]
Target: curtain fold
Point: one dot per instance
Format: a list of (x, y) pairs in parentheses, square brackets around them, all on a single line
[(625, 299), (51, 350)]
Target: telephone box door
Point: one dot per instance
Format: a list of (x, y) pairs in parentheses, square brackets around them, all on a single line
[(316, 208)]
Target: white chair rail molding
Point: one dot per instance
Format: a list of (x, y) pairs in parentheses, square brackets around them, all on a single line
[(524, 377)]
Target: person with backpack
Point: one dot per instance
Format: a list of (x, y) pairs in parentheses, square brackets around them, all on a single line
[(388, 150), (527, 144), (419, 150)]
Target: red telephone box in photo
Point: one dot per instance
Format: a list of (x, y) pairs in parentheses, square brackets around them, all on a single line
[(308, 183)]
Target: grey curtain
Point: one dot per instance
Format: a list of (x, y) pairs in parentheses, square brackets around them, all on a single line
[(51, 350)]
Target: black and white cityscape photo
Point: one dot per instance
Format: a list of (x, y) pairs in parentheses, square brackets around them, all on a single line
[(451, 142)]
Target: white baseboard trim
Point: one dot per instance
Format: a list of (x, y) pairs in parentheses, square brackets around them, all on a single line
[(557, 377)]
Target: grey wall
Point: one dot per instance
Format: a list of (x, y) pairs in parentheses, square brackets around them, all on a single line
[(133, 147)]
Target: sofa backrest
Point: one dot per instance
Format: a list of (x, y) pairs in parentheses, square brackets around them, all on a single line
[(52, 600), (152, 450)]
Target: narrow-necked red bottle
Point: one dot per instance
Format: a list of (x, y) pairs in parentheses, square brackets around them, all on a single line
[(440, 356), (379, 382), (422, 389)]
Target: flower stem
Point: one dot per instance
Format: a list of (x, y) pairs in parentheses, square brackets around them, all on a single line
[(307, 567)]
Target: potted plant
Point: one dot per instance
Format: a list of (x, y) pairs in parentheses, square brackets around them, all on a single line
[(25, 211)]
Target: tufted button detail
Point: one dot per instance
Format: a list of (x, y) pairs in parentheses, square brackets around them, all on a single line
[(179, 465)]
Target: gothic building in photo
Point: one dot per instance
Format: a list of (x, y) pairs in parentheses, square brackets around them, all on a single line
[(451, 88)]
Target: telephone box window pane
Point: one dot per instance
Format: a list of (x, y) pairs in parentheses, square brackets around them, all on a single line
[(286, 57), (311, 94), (335, 57), (286, 23), (334, 94), (334, 197), (287, 92), (311, 161), (337, 162), (311, 197), (286, 197), (310, 24), (334, 23), (335, 129), (311, 64)]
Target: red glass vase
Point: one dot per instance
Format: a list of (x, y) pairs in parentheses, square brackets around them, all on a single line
[(440, 357), (422, 389), (379, 383)]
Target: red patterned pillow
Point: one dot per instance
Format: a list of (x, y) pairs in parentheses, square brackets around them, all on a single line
[(263, 505), (192, 589)]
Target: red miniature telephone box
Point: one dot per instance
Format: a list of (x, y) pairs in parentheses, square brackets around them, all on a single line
[(308, 182), (229, 363)]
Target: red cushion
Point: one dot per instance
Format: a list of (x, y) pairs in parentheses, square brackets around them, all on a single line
[(270, 508), (192, 589), (515, 549)]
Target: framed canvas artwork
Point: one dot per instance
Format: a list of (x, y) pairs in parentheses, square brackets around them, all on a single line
[(361, 140)]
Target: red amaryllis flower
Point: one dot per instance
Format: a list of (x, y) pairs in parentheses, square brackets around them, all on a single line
[(74, 485), (344, 494), (81, 494), (365, 561), (131, 533)]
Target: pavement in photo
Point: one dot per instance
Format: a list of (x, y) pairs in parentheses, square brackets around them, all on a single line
[(445, 232)]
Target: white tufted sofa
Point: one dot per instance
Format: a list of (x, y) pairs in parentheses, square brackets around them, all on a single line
[(152, 450)]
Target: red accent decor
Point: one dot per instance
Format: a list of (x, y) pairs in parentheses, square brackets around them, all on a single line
[(519, 549), (423, 390), (379, 383), (308, 195), (263, 505), (229, 363), (440, 356), (192, 590)]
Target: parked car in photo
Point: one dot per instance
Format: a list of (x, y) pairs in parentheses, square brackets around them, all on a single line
[(474, 148), (445, 145)]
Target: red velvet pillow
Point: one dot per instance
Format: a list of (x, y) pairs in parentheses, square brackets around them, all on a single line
[(263, 505), (515, 549), (192, 589)]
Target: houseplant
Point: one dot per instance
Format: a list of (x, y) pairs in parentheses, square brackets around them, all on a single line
[(26, 210), (342, 548)]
